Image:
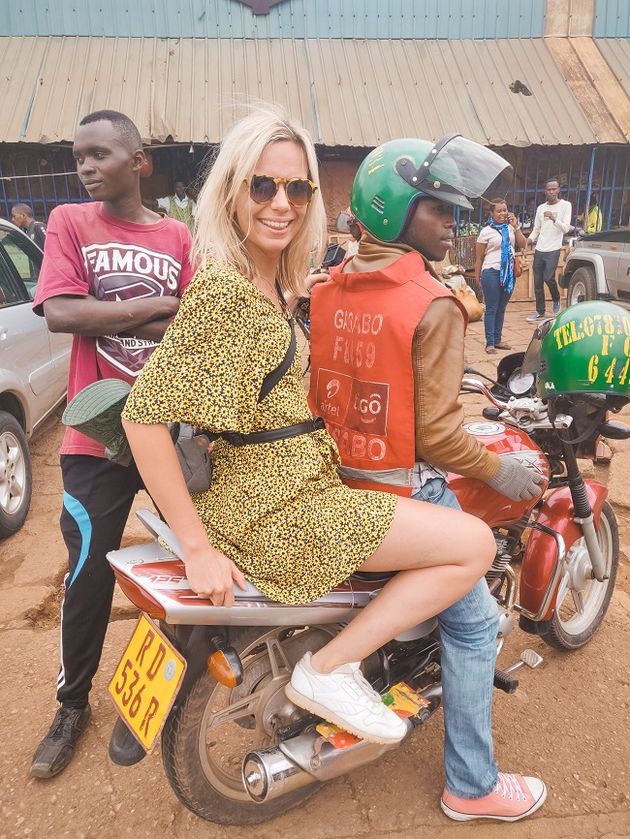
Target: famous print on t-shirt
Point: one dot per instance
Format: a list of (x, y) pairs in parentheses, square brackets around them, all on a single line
[(118, 271)]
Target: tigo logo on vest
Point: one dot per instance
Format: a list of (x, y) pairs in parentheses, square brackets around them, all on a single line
[(357, 405), (368, 407)]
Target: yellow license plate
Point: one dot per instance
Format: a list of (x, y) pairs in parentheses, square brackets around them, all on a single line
[(146, 681)]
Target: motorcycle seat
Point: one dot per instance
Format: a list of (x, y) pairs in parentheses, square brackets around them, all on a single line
[(373, 576)]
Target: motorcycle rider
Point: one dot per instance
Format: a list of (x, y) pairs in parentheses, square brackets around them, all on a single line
[(387, 358)]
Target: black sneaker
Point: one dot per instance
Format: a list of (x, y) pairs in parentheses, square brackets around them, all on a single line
[(56, 750)]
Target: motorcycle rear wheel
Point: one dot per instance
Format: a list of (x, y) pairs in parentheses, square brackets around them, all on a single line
[(212, 728), (582, 603)]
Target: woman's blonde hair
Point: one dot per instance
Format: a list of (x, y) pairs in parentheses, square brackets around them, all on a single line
[(218, 235)]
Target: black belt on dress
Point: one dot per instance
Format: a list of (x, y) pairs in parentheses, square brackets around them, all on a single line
[(236, 439)]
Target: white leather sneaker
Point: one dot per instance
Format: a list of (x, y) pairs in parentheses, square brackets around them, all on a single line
[(344, 698)]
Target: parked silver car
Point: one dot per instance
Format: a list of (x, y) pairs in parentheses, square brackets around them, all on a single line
[(33, 372), (599, 268)]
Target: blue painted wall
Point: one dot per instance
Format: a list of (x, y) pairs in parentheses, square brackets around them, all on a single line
[(289, 19), (612, 19)]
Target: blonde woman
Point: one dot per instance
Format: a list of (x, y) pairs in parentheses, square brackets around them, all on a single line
[(277, 513)]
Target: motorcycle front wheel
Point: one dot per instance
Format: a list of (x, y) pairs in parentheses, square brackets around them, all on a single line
[(213, 727), (582, 602)]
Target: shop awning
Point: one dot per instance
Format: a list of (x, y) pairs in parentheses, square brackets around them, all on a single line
[(347, 92)]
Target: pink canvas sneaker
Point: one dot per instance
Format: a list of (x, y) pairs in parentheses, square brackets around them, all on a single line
[(513, 798)]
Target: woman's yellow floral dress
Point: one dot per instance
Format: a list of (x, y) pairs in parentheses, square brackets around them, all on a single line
[(278, 510)]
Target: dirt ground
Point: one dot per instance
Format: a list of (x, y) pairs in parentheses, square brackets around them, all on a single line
[(569, 721)]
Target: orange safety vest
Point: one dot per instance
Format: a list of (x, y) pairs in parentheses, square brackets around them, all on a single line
[(362, 384)]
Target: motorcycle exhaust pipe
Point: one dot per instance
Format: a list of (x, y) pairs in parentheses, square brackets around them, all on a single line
[(268, 774), (303, 760)]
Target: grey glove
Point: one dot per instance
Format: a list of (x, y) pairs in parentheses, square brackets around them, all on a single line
[(515, 480)]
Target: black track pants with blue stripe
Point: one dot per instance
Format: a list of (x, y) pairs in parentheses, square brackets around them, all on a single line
[(97, 499)]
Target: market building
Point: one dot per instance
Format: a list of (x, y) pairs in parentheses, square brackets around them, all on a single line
[(544, 82)]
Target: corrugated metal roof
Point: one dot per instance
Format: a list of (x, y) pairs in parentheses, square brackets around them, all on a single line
[(371, 91), (593, 84), (616, 51), (287, 19), (349, 93)]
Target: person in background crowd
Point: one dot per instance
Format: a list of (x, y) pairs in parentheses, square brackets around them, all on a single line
[(112, 275), (553, 220), (526, 215), (352, 245), (22, 217), (494, 268), (179, 206), (594, 220)]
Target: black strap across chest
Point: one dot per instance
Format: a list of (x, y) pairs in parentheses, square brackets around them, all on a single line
[(234, 438), (272, 379)]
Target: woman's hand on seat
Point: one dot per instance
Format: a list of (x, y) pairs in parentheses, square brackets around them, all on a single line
[(211, 574)]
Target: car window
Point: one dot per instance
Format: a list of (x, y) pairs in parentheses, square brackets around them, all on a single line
[(25, 262)]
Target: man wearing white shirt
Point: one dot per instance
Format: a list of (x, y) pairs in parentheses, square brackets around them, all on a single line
[(179, 206), (553, 220)]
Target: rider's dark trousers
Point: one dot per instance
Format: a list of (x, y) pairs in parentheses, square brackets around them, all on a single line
[(97, 499)]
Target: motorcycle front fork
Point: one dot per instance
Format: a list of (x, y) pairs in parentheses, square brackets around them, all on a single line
[(584, 512)]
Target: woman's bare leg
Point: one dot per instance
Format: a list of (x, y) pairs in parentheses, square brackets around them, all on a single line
[(441, 553)]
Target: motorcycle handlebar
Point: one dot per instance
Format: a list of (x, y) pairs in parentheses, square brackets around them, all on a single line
[(475, 386)]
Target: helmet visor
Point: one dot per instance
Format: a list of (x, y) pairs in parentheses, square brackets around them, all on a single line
[(531, 361), (457, 168)]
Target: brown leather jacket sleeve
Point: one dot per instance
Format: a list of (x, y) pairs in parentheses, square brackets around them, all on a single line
[(438, 367)]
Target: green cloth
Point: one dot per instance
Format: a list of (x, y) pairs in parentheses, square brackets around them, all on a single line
[(184, 214), (594, 220)]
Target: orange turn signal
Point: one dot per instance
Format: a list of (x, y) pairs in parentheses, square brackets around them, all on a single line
[(220, 668)]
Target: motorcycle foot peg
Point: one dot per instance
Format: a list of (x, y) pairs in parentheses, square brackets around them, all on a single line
[(504, 681), (124, 749), (297, 727)]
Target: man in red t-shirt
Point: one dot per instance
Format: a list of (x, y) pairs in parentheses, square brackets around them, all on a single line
[(112, 275)]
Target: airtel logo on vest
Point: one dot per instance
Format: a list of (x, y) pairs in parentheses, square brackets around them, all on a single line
[(359, 323), (332, 388)]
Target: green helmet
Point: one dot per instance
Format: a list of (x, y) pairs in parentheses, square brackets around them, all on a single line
[(395, 175), (585, 349)]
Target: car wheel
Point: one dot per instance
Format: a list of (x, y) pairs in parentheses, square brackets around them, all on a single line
[(16, 480), (581, 286)]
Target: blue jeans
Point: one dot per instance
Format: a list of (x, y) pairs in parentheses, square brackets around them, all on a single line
[(496, 300), (468, 635)]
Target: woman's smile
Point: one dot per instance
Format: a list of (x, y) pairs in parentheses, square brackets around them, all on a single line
[(275, 224)]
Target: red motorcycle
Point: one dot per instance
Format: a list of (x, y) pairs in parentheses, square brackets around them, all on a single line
[(211, 679)]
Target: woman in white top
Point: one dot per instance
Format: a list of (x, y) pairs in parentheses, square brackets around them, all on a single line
[(494, 264)]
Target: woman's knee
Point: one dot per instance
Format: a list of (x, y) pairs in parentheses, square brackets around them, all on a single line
[(478, 544), (487, 545)]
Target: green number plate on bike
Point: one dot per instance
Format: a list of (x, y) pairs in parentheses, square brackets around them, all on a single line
[(146, 681)]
